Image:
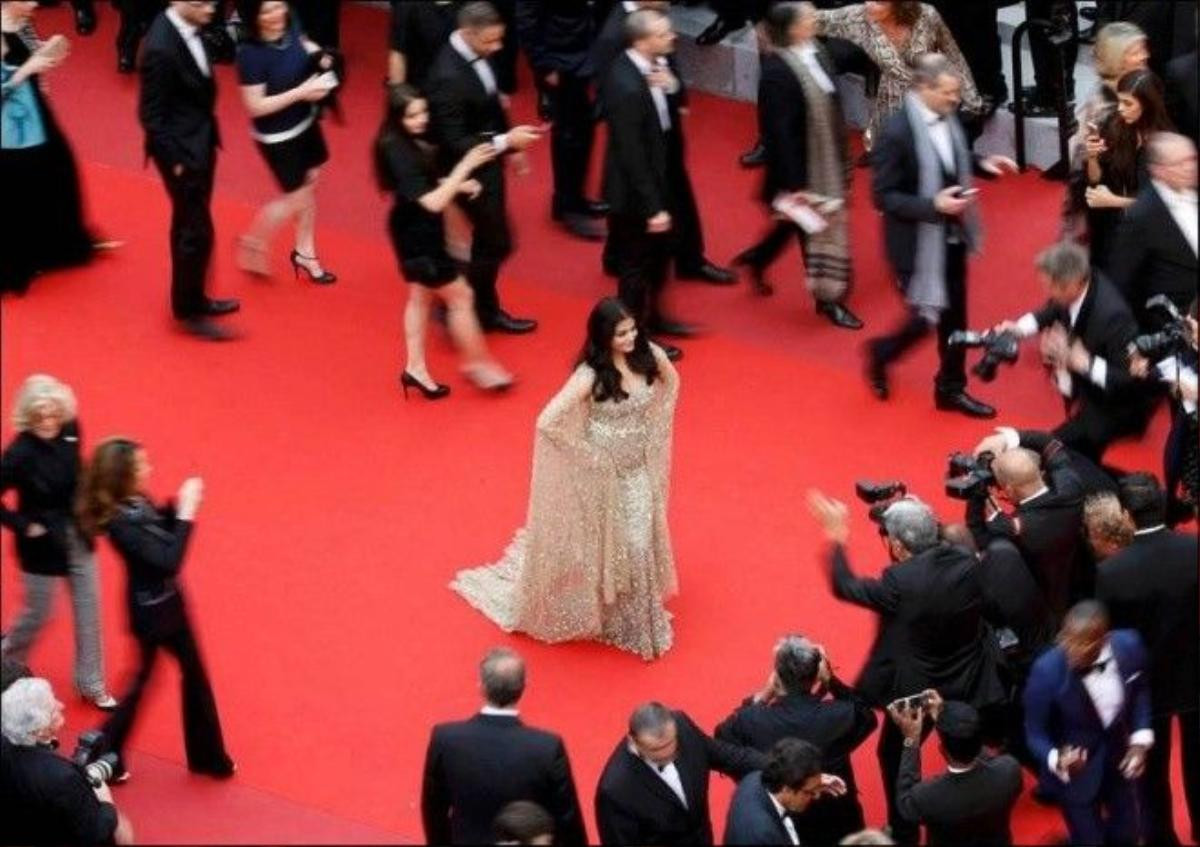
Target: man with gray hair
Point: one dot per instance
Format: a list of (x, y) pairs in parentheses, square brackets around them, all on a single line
[(474, 768), (47, 799), (922, 185), (804, 699), (654, 788), (931, 634), (1086, 331)]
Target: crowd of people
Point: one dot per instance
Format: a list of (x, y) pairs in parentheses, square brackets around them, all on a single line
[(1053, 628)]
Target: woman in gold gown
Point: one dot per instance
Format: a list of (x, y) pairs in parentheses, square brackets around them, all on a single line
[(593, 560)]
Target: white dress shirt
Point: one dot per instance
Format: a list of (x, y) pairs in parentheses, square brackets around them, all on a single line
[(1027, 325), (191, 37), (1182, 206), (667, 773), (659, 96), (786, 818), (497, 711), (808, 55), (939, 134)]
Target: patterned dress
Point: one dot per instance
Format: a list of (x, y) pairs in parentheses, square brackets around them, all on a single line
[(929, 35), (593, 560)]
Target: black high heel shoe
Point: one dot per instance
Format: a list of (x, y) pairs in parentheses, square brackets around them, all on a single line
[(298, 264), (439, 391)]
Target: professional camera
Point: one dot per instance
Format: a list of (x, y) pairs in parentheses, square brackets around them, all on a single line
[(1172, 338), (879, 495), (967, 476), (997, 347), (99, 767)]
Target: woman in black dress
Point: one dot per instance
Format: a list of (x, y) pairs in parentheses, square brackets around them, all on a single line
[(152, 541), (405, 166), (281, 90), (44, 227)]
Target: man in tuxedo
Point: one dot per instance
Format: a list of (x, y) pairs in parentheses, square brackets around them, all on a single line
[(1150, 586), (557, 38), (654, 787), (466, 108), (178, 95), (931, 633), (803, 134), (922, 185), (972, 802), (474, 768), (418, 33), (794, 705), (766, 802), (1088, 723), (1086, 332), (1156, 242), (136, 17)]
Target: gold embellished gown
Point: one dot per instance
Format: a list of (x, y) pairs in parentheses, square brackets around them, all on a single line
[(593, 560)]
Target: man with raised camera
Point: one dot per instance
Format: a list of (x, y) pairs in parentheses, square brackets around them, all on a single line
[(1086, 329), (48, 799), (931, 634)]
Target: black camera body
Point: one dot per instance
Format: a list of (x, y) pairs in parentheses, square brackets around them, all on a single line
[(998, 348), (879, 495), (90, 756), (969, 477), (1173, 338)]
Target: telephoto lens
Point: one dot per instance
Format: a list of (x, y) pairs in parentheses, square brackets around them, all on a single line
[(101, 771)]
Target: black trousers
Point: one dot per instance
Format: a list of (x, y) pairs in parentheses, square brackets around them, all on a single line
[(641, 259), (571, 138), (763, 254), (1092, 427), (1159, 814), (976, 30), (202, 737), (191, 235), (952, 375), (1047, 73), (491, 241)]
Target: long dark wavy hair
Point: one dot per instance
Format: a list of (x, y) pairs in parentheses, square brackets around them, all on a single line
[(391, 129), (109, 479), (597, 351), (1147, 89)]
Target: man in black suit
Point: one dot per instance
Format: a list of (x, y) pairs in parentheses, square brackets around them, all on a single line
[(793, 705), (931, 634), (557, 38), (1182, 95), (972, 802), (654, 788), (178, 95), (136, 17), (1086, 332), (922, 185), (1156, 242), (466, 108), (767, 802), (1150, 586), (474, 768)]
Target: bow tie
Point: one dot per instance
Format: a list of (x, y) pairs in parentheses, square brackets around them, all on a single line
[(1098, 667), (937, 120)]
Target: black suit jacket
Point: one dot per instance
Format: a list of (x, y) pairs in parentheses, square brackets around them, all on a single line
[(609, 44), (45, 475), (783, 124), (973, 807), (557, 36), (1152, 257), (462, 111), (1150, 586), (638, 158), (176, 101), (474, 768), (1182, 95), (931, 634), (635, 806), (152, 542), (753, 818)]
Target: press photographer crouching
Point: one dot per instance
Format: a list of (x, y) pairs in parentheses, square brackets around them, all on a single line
[(49, 799)]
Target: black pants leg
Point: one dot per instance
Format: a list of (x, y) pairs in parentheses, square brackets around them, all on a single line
[(491, 243), (763, 254), (641, 259), (1047, 72), (118, 726), (202, 736), (1159, 811), (952, 374), (886, 349), (687, 234), (191, 235), (571, 139)]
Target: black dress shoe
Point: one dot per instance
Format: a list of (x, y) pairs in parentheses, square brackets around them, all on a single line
[(206, 329), (839, 315), (85, 19), (876, 376), (716, 31), (596, 208), (754, 158), (961, 401), (673, 353), (125, 63), (504, 322), (666, 326), (706, 271), (583, 226), (215, 308)]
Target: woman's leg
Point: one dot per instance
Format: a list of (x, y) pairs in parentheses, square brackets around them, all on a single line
[(85, 602), (416, 316), (117, 728), (306, 219), (39, 595), (202, 736), (464, 328)]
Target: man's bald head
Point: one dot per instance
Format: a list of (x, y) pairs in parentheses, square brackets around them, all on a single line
[(1018, 472)]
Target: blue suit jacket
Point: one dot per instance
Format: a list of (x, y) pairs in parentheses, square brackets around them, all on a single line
[(1059, 711), (752, 818)]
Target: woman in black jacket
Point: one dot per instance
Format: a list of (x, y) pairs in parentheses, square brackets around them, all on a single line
[(42, 464), (152, 542)]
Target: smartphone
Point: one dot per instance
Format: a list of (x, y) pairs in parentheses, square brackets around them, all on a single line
[(913, 701), (968, 192)]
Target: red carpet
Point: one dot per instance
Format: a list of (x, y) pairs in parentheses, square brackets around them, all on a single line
[(336, 513)]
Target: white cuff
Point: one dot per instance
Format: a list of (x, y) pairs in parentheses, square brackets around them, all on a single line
[(1142, 738), (1052, 761), (500, 142), (1098, 373), (1027, 325), (1012, 438)]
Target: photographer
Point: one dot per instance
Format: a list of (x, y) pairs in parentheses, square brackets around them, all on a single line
[(1086, 330), (48, 799), (931, 630)]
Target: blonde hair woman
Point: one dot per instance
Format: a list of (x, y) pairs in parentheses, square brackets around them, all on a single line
[(42, 464)]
